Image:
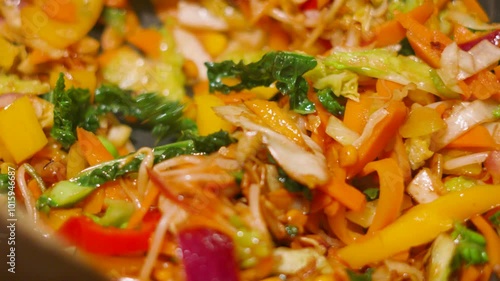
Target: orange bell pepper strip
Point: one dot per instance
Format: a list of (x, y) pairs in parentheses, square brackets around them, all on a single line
[(382, 134), (277, 119), (428, 44), (474, 8), (421, 224), (338, 225), (483, 85), (337, 188), (492, 241), (92, 148), (391, 192), (477, 137), (357, 113), (391, 32)]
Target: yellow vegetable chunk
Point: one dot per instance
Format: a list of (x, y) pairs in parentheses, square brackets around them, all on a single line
[(206, 119), (20, 132), (421, 121), (9, 53), (421, 224)]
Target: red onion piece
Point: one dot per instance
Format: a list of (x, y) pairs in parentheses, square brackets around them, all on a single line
[(208, 255), (493, 37), (6, 99), (492, 165)]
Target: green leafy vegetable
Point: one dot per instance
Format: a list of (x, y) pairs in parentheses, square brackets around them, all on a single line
[(495, 219), (283, 68), (354, 276), (292, 185), (71, 109), (459, 183), (343, 83), (148, 110), (386, 64), (334, 105), (403, 6), (406, 49), (210, 143), (471, 247)]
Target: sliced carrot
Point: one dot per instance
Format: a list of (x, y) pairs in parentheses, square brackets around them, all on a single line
[(462, 34), (147, 40), (64, 11), (337, 188), (391, 32), (428, 44), (470, 273), (497, 71), (106, 56), (483, 85), (492, 241), (391, 192), (382, 134), (357, 113), (477, 137), (277, 119), (150, 197), (34, 189), (92, 148), (474, 8), (339, 226), (439, 4), (94, 203)]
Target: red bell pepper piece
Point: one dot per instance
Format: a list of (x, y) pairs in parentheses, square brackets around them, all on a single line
[(89, 236)]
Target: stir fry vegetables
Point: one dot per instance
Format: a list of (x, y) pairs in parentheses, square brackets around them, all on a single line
[(287, 140)]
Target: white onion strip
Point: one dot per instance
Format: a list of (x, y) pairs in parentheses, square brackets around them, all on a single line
[(465, 160), (29, 201)]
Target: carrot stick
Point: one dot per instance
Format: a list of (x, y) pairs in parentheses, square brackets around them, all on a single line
[(339, 226), (357, 113), (382, 134), (92, 148), (474, 8), (462, 34), (483, 84), (492, 241), (147, 40), (477, 137), (470, 273), (337, 188), (94, 203), (391, 192), (391, 32), (37, 57), (428, 44), (149, 199)]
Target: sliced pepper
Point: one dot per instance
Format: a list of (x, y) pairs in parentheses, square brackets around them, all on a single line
[(20, 132), (421, 224), (89, 236)]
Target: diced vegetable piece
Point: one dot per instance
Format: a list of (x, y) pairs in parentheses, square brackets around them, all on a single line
[(63, 194), (20, 131), (471, 247), (206, 119), (421, 121), (9, 54), (208, 255)]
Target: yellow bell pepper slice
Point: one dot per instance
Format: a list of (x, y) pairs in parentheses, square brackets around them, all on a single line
[(20, 132), (206, 119), (38, 25), (9, 54), (421, 224)]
